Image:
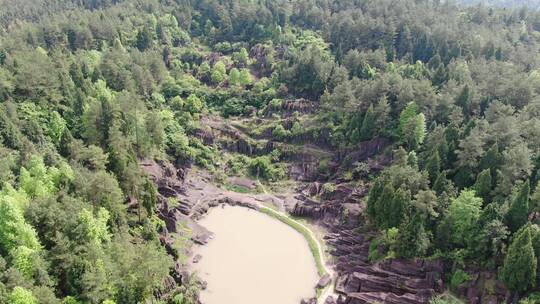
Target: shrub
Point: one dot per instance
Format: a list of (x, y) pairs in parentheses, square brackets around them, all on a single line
[(459, 277), (262, 167), (280, 133)]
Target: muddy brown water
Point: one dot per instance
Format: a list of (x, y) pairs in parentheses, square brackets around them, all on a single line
[(254, 258)]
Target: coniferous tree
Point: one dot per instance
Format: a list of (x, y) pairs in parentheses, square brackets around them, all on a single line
[(518, 212), (368, 125), (398, 207), (441, 183), (463, 100), (433, 165), (382, 206), (483, 184), (412, 160), (149, 197), (440, 76), (519, 269), (144, 39), (373, 197), (413, 240), (406, 115), (412, 126), (491, 160)]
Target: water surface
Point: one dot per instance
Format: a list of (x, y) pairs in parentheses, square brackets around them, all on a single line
[(254, 258)]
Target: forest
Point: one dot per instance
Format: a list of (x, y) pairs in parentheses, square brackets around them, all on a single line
[(89, 88)]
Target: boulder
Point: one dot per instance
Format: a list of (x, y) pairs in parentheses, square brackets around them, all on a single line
[(197, 258), (324, 281), (330, 300), (309, 301)]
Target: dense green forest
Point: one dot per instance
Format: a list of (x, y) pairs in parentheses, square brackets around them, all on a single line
[(89, 88), (531, 4)]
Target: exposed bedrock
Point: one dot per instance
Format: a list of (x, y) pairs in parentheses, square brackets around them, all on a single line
[(390, 281)]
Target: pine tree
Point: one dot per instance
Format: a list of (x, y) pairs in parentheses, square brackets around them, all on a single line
[(412, 126), (440, 76), (397, 208), (463, 100), (144, 39), (413, 241), (234, 77), (412, 160), (433, 165), (406, 115), (491, 160), (483, 184), (520, 264), (149, 197), (382, 206), (373, 197), (519, 208), (368, 125), (441, 183)]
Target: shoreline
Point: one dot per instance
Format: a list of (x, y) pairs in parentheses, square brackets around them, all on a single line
[(315, 247)]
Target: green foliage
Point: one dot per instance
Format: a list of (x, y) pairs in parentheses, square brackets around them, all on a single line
[(14, 231), (22, 259), (459, 277), (519, 268), (445, 299), (462, 216), (147, 266), (193, 104), (373, 197), (101, 86), (263, 167), (238, 164), (94, 228), (382, 206), (39, 181), (518, 213), (20, 295), (280, 133), (149, 197), (234, 77), (413, 239), (408, 114), (433, 165), (412, 126), (245, 77), (219, 73), (367, 131), (482, 187), (241, 57), (531, 299)]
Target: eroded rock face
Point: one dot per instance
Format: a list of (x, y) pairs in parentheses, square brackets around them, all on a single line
[(389, 281)]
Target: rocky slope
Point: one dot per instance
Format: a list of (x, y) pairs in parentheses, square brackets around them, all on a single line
[(338, 209)]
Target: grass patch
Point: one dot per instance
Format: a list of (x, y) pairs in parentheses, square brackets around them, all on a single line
[(446, 298), (238, 188), (312, 242)]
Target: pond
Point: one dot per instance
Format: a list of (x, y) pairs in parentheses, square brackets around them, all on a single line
[(254, 258)]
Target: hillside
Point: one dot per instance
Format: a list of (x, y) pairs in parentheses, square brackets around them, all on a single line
[(407, 130)]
